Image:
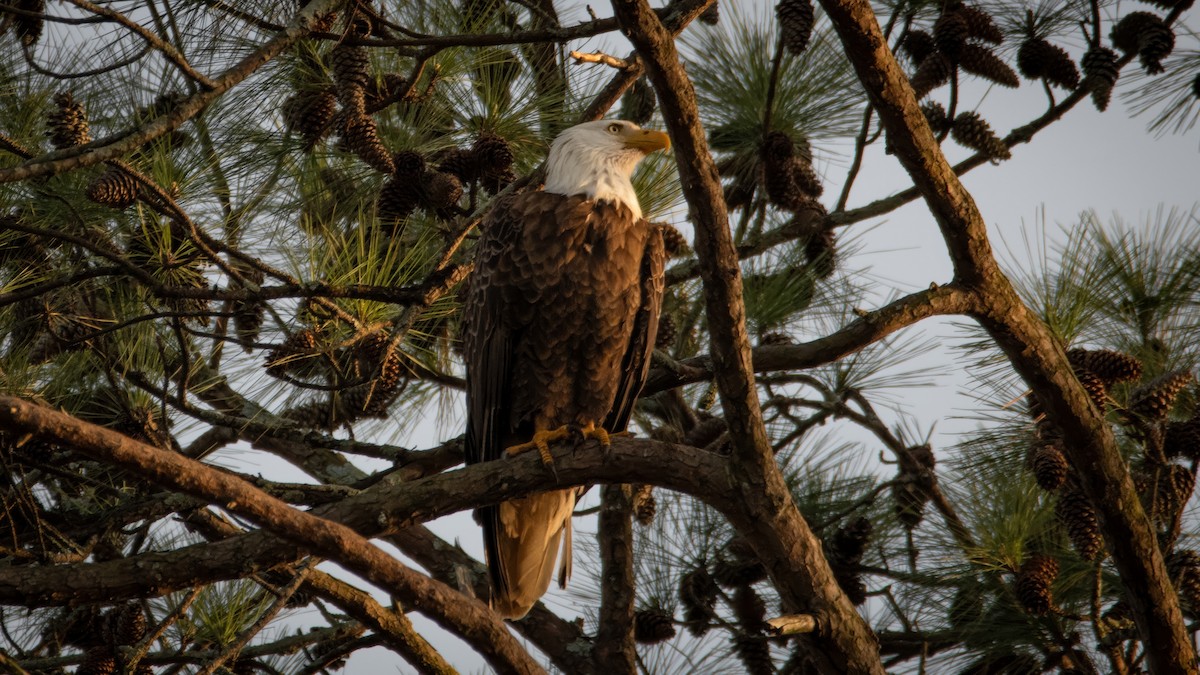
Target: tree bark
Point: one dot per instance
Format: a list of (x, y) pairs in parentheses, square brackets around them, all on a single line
[(615, 650)]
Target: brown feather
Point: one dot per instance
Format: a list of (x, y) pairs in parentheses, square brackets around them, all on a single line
[(559, 324)]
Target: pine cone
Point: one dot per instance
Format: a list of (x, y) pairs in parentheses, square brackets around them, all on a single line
[(970, 130), (980, 24), (392, 371), (644, 504), (777, 149), (734, 573), (1155, 42), (638, 103), (1126, 35), (698, 593), (652, 626), (917, 45), (667, 331), (933, 72), (309, 114), (674, 242), (1184, 568), (1034, 583), (1038, 59), (1094, 385), (1077, 515), (398, 198), (1164, 491), (409, 164), (749, 608), (850, 541), (806, 178), (755, 653), (363, 140), (29, 28), (1050, 467), (1182, 439), (248, 321), (131, 625), (295, 353), (113, 188), (981, 61), (98, 661), (950, 33), (820, 251), (1110, 366), (935, 115), (782, 184), (910, 499), (710, 16), (440, 190), (1100, 75), (492, 153), (461, 163), (796, 19), (351, 72), (67, 124), (1196, 86), (1154, 399)]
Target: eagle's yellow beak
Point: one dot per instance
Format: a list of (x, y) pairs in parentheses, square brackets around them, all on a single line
[(646, 140)]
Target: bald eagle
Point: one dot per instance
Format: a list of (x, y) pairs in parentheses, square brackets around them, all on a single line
[(558, 327)]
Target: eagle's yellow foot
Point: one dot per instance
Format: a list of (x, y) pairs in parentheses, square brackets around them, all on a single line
[(541, 442), (600, 434)]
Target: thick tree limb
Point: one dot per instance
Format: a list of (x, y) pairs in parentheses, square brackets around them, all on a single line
[(384, 508), (1031, 348), (766, 512), (469, 618)]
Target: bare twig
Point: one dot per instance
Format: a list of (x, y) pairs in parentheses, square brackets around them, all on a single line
[(600, 57)]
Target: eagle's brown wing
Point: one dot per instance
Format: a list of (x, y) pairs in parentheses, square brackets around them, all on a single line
[(521, 537), (635, 364), (559, 324)]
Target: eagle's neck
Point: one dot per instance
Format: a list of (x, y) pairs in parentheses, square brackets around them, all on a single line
[(601, 175)]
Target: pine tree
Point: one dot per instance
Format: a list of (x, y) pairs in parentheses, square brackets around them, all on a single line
[(248, 245)]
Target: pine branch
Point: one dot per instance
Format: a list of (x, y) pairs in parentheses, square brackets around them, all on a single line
[(1025, 340), (115, 147), (858, 334)]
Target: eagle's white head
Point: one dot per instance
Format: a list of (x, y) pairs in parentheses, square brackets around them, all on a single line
[(597, 159)]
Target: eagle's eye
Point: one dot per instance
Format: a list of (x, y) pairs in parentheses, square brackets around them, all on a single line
[(614, 128)]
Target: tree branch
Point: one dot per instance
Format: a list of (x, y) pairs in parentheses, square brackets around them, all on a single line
[(615, 651), (858, 334), (766, 512), (1029, 345), (384, 508), (468, 618), (114, 147)]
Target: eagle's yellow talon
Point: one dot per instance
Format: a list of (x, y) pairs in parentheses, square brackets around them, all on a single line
[(597, 433), (541, 442)]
